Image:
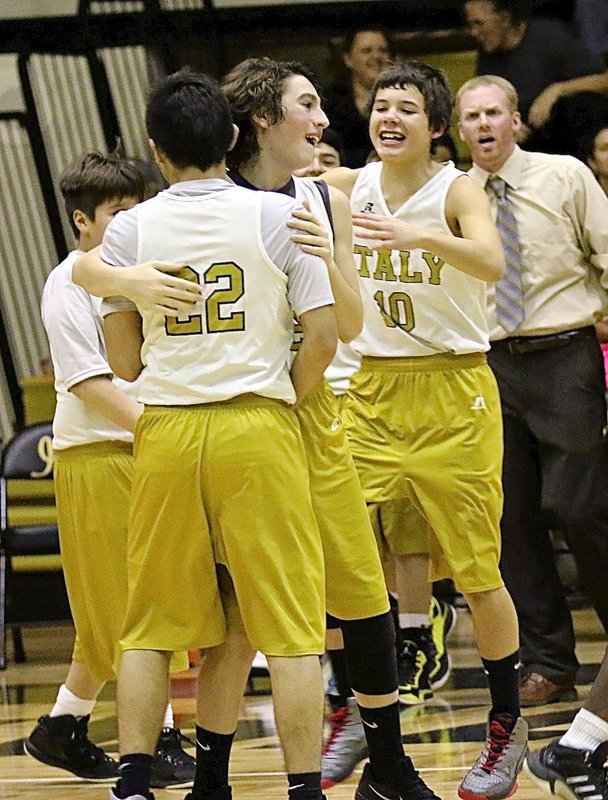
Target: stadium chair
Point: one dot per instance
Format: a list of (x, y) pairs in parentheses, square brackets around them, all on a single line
[(27, 597)]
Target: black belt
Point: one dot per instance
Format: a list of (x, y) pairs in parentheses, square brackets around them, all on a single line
[(530, 344)]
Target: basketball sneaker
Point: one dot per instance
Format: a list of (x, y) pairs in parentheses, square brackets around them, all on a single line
[(569, 773), (223, 793), (413, 667), (494, 775), (114, 796), (443, 619), (172, 766), (64, 742), (346, 745), (410, 786)]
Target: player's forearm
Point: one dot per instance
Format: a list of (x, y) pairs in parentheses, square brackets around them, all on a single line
[(100, 395), (310, 363), (475, 258), (96, 277), (348, 307), (123, 335)]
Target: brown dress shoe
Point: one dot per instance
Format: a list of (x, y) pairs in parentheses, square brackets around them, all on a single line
[(536, 690)]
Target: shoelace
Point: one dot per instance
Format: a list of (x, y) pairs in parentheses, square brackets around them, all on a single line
[(599, 776), (173, 750), (414, 782), (84, 746), (415, 657), (337, 722), (422, 790), (498, 741)]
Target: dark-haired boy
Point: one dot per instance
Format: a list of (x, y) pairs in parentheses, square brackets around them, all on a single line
[(423, 413), (92, 441), (218, 442)]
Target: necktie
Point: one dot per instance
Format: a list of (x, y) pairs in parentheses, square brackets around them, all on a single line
[(509, 289)]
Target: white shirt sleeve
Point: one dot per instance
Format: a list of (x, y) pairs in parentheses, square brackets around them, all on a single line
[(308, 284), (73, 328), (119, 248)]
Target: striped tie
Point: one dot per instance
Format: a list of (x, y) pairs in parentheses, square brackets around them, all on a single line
[(509, 289)]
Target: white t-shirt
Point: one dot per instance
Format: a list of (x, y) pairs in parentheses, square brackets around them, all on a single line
[(74, 328)]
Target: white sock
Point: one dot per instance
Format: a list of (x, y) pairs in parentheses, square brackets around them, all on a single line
[(586, 732), (168, 721), (69, 703), (413, 620)]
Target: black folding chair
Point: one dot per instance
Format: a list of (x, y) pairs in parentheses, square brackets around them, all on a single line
[(27, 457)]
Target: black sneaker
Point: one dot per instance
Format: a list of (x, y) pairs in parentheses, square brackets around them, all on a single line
[(414, 667), (223, 793), (569, 773), (411, 786), (63, 742), (114, 796), (171, 765)]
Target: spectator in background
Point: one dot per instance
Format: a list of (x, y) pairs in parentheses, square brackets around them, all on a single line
[(571, 120), (591, 19), (329, 153), (366, 52), (541, 57)]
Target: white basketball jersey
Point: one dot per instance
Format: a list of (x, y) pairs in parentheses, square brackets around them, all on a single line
[(239, 338), (306, 191), (346, 361), (415, 304)]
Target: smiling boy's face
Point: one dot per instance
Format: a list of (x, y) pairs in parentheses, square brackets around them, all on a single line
[(295, 137), (398, 123)]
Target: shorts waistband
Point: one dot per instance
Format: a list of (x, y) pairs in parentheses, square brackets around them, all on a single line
[(94, 449), (549, 341), (437, 363), (248, 400)]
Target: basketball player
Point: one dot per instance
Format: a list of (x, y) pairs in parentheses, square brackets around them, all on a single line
[(218, 441), (92, 441), (277, 108), (423, 413)]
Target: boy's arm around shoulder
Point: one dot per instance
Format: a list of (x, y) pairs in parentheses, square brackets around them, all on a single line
[(345, 283), (343, 178), (150, 285)]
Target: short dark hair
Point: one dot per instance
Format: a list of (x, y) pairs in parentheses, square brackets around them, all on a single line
[(254, 88), (430, 82), (189, 120), (96, 178), (151, 174), (518, 10), (333, 139)]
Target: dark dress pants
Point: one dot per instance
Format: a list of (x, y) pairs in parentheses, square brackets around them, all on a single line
[(555, 476)]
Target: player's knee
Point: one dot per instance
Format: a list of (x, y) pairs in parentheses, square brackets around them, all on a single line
[(369, 646)]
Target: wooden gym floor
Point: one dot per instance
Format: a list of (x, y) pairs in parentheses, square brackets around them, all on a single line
[(443, 736)]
